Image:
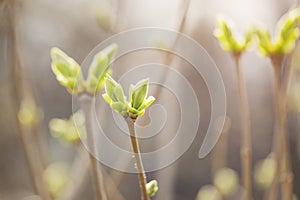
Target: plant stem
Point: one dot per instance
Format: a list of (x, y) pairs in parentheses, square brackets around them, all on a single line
[(168, 59), (282, 157), (12, 60), (79, 178), (219, 159), (167, 176), (79, 174), (86, 105), (246, 151), (138, 159)]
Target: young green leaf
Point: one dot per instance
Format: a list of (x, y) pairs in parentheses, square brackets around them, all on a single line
[(114, 96), (138, 93), (147, 103), (118, 94), (99, 68), (287, 32), (228, 41), (138, 101), (67, 71)]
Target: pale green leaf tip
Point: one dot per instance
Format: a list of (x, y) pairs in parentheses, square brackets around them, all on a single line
[(107, 98), (54, 51), (152, 188), (113, 47)]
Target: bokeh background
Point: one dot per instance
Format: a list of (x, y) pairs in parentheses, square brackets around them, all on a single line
[(29, 29)]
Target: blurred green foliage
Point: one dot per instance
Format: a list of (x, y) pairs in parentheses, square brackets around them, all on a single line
[(208, 192), (264, 172), (228, 40), (226, 181), (69, 130), (56, 177), (28, 113), (286, 34)]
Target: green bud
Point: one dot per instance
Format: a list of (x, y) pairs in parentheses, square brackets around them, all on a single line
[(265, 42), (152, 188), (66, 130), (287, 32), (104, 18), (56, 177), (28, 113), (99, 68), (67, 71), (118, 94), (114, 96), (138, 93), (138, 101), (227, 181), (264, 173), (228, 41), (208, 192)]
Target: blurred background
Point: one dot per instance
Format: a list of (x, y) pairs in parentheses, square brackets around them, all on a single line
[(29, 29)]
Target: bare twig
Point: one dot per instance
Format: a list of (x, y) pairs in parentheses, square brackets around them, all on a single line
[(13, 60), (219, 159), (246, 151), (184, 7), (78, 175), (282, 157), (86, 105), (167, 177)]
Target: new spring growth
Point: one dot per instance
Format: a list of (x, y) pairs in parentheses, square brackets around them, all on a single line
[(56, 177), (152, 188), (209, 192), (138, 100), (264, 172), (228, 40), (286, 34), (114, 96), (68, 71), (66, 130), (29, 112), (226, 181), (99, 68)]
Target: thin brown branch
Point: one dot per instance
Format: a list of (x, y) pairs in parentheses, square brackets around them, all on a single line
[(184, 7), (246, 150), (219, 159), (282, 157), (78, 175), (17, 91), (86, 105), (138, 159)]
